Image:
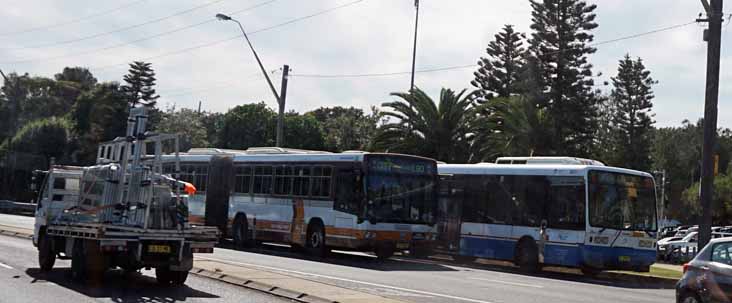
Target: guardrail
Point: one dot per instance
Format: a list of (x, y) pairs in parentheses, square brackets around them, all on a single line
[(14, 207)]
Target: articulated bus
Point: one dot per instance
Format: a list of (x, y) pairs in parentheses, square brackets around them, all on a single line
[(592, 217), (313, 200)]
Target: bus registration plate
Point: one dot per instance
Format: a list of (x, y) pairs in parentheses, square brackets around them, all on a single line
[(402, 245), (624, 258), (158, 249)]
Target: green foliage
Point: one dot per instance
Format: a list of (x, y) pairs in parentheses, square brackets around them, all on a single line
[(213, 123), (248, 125), (512, 126), (140, 84), (346, 128), (417, 125), (498, 75), (560, 46), (188, 124), (99, 115), (48, 137), (79, 75), (721, 200), (303, 132), (630, 116)]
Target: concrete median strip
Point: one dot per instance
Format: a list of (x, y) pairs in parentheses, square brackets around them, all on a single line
[(286, 286)]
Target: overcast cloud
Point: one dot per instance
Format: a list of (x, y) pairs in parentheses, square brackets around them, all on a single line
[(370, 36)]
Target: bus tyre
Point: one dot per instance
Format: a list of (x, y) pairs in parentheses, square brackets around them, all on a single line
[(527, 256), (384, 252), (46, 255), (78, 261), (241, 232), (316, 240)]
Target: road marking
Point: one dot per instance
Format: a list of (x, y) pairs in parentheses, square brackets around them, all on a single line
[(507, 282), (5, 265), (349, 280)]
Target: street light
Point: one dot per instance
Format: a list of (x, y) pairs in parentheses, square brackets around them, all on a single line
[(280, 100)]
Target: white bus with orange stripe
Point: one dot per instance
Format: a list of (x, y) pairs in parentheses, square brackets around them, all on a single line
[(316, 200)]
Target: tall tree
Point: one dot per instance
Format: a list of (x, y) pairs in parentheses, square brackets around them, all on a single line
[(417, 125), (499, 72), (346, 128), (99, 115), (303, 132), (248, 125), (560, 45), (188, 124), (140, 84), (79, 75), (631, 117)]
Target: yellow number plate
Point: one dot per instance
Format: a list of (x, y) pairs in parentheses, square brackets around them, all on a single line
[(158, 249), (624, 258), (402, 245)]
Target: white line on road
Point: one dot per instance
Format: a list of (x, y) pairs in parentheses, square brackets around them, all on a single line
[(5, 265), (349, 280), (507, 282)]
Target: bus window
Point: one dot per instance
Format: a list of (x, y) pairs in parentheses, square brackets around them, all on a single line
[(242, 179), (301, 181), (321, 182), (348, 191), (262, 179), (283, 180), (566, 209)]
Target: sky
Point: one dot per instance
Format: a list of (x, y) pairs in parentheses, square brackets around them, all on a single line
[(200, 59)]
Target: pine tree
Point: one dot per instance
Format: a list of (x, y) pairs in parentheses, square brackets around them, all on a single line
[(140, 84), (631, 118), (560, 45), (499, 72)]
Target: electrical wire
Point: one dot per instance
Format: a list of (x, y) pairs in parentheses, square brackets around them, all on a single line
[(122, 29), (473, 65), (77, 54), (73, 21)]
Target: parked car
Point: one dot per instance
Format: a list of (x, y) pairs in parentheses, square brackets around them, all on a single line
[(708, 277), (666, 232)]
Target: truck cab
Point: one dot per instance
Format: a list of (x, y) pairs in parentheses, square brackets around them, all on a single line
[(58, 189)]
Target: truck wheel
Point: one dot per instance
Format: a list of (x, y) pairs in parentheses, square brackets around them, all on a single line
[(46, 255), (527, 256), (384, 251), (78, 261), (178, 278), (241, 232), (165, 276), (316, 240)]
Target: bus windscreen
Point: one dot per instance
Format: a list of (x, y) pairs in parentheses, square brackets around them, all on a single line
[(622, 201)]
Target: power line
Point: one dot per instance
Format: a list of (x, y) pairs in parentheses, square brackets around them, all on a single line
[(122, 29), (216, 42), (76, 54), (473, 65), (91, 16)]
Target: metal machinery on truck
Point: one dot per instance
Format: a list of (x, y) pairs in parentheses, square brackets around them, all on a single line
[(122, 212)]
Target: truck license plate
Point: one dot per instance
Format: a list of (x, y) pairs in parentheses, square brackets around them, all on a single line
[(624, 258), (158, 249), (402, 245)]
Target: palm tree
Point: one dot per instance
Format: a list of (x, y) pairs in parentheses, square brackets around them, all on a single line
[(513, 126), (417, 125)]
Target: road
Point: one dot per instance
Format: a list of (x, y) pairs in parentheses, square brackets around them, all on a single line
[(424, 281)]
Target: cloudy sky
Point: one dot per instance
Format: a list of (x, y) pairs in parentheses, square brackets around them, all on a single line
[(198, 58)]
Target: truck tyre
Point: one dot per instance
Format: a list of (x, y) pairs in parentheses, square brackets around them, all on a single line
[(316, 240), (384, 251), (96, 263), (78, 261), (165, 276), (241, 232), (527, 256), (46, 254)]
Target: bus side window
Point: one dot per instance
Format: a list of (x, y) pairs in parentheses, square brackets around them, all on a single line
[(348, 195)]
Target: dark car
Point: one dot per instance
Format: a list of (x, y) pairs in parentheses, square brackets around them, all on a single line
[(708, 277)]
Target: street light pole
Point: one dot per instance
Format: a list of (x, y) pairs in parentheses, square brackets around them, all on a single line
[(280, 99), (414, 49)]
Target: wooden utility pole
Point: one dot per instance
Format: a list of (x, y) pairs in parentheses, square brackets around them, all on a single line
[(281, 103), (712, 36)]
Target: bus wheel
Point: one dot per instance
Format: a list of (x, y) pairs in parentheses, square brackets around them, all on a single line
[(46, 255), (241, 232), (527, 256), (316, 240), (78, 261), (384, 251)]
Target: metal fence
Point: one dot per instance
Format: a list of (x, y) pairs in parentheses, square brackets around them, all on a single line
[(13, 207)]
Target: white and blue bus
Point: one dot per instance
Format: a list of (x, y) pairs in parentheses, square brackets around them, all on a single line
[(591, 217)]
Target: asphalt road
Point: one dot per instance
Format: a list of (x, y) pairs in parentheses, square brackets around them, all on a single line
[(21, 281), (429, 281)]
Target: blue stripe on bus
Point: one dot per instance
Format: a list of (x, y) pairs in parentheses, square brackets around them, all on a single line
[(564, 255)]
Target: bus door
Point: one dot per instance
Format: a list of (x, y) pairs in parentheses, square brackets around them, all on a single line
[(218, 191), (449, 213)]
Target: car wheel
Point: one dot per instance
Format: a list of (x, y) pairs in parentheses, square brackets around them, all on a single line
[(689, 298)]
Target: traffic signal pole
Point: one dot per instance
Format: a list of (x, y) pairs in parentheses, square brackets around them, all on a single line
[(713, 38)]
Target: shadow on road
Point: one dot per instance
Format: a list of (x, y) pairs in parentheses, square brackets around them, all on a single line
[(119, 287), (360, 260)]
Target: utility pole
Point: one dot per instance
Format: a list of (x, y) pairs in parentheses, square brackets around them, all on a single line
[(414, 49), (713, 36), (281, 103)]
